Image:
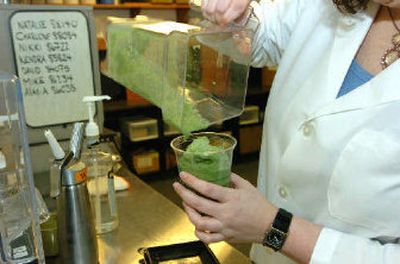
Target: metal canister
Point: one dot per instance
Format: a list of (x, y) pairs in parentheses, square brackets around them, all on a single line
[(76, 229)]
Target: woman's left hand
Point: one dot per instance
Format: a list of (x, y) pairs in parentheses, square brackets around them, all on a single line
[(238, 214)]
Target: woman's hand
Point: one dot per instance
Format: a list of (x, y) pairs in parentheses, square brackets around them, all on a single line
[(238, 214), (224, 12)]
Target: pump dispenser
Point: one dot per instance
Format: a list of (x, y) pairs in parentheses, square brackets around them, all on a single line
[(100, 177), (92, 131)]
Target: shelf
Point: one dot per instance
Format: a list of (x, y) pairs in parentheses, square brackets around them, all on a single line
[(142, 6), (129, 145), (134, 5), (259, 123), (124, 105)]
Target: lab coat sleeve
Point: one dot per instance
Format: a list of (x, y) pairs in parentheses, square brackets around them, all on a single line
[(277, 20), (335, 247)]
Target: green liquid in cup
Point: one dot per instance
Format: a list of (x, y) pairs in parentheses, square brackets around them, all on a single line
[(206, 162)]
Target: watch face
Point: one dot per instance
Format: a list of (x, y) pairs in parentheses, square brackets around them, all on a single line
[(275, 239)]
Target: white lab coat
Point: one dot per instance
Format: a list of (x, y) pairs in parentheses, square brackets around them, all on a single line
[(333, 161)]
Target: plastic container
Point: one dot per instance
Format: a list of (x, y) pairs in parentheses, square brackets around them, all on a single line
[(196, 74), (141, 129), (19, 208), (250, 115), (206, 155)]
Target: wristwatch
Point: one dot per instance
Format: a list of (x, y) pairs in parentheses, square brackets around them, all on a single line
[(276, 235)]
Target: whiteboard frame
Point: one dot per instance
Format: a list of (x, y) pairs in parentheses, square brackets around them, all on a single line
[(7, 62), (89, 43)]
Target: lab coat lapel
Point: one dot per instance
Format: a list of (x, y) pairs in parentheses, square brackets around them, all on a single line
[(350, 33), (383, 88)]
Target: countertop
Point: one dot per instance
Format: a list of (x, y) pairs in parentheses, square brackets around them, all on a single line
[(148, 219)]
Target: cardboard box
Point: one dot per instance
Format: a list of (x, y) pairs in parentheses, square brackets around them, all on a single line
[(162, 1), (267, 78), (250, 139), (170, 159), (146, 162), (141, 129), (135, 99), (170, 130)]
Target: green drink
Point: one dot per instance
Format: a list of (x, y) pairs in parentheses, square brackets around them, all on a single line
[(206, 155)]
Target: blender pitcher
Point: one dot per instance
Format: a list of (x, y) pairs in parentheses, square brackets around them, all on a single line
[(20, 238), (196, 73)]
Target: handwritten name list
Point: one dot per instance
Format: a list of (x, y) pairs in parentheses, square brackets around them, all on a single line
[(52, 54)]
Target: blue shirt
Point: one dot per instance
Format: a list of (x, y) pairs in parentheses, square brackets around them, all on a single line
[(355, 77)]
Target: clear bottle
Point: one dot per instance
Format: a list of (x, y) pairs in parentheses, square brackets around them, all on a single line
[(101, 188), (100, 178)]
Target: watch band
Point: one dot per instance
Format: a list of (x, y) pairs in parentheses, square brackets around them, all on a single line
[(276, 236), (282, 220)]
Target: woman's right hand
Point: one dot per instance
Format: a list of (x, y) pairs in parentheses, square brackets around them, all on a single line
[(223, 12)]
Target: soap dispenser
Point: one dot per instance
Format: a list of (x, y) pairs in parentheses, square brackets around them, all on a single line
[(100, 177)]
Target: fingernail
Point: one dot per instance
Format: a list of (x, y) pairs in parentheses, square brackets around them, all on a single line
[(182, 175)]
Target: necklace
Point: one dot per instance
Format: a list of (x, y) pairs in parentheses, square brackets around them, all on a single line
[(393, 53)]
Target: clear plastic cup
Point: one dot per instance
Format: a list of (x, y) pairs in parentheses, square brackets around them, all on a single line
[(206, 155)]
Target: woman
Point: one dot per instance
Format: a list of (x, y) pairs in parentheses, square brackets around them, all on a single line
[(331, 145)]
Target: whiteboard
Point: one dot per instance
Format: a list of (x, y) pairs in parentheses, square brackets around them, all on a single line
[(53, 59)]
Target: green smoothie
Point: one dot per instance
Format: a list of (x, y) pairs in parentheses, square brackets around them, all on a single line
[(207, 162), (136, 59)]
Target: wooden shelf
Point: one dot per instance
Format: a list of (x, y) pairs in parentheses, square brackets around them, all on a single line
[(135, 5), (142, 6)]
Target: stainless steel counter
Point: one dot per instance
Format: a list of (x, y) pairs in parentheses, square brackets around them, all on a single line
[(149, 219)]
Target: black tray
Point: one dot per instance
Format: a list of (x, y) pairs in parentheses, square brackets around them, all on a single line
[(180, 252)]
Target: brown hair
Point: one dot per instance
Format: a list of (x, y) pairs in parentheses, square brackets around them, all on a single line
[(350, 6)]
